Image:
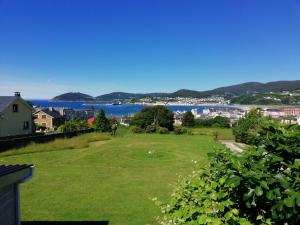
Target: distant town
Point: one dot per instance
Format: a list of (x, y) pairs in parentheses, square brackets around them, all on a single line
[(34, 118)]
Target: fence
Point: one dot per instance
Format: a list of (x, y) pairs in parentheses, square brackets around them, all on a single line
[(7, 143)]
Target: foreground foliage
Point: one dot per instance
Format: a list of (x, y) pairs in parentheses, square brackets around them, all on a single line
[(259, 186)]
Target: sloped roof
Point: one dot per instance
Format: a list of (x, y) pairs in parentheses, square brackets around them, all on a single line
[(6, 169), (5, 101), (53, 113)]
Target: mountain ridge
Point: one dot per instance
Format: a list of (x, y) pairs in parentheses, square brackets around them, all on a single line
[(227, 91)]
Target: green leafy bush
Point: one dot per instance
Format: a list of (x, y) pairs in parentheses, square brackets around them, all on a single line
[(163, 130), (180, 130), (137, 130), (259, 186), (151, 129)]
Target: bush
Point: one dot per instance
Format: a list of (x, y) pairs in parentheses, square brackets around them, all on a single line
[(137, 130), (258, 186), (163, 130), (180, 130), (151, 129)]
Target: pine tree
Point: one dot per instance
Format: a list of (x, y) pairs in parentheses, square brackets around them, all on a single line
[(101, 122)]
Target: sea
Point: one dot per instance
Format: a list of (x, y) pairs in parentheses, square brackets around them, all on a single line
[(114, 110)]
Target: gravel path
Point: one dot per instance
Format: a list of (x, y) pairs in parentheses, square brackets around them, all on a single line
[(233, 146)]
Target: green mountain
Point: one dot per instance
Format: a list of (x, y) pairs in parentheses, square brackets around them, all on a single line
[(228, 91), (73, 96)]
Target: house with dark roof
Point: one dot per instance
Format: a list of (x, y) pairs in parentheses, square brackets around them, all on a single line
[(15, 116), (48, 118)]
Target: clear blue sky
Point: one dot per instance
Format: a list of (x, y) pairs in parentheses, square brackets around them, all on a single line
[(48, 47)]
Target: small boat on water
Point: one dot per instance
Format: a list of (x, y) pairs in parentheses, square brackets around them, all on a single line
[(117, 102)]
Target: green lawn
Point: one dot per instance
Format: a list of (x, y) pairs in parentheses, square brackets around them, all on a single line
[(107, 179)]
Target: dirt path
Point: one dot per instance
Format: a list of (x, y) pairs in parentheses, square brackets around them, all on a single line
[(233, 146)]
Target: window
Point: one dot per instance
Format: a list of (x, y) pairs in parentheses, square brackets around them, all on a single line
[(44, 124), (15, 107), (44, 116), (26, 125)]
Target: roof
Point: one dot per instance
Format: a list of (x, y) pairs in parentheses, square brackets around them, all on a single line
[(11, 174), (12, 168), (53, 113), (5, 101)]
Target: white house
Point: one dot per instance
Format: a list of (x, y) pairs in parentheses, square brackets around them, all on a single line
[(15, 116)]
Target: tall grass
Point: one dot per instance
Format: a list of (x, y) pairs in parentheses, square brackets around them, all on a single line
[(81, 141)]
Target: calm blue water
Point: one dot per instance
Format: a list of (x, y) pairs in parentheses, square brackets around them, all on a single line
[(112, 110)]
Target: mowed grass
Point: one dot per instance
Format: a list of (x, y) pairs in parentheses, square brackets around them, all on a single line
[(222, 133), (109, 179)]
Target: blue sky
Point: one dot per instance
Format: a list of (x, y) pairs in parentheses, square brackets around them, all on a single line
[(48, 47)]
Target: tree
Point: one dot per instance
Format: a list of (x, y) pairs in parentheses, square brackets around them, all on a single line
[(246, 128), (73, 125), (159, 116), (101, 122), (220, 121), (188, 119)]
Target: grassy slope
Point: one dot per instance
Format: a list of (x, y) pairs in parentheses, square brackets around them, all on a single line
[(109, 180)]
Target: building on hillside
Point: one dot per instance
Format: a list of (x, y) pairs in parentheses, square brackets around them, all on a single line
[(82, 114), (273, 113), (15, 116), (48, 118), (67, 113)]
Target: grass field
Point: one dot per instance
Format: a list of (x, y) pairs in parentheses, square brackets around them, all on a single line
[(106, 179)]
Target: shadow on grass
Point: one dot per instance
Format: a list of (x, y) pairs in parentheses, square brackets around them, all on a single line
[(64, 222)]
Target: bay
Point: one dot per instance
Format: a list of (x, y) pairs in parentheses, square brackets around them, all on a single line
[(114, 110)]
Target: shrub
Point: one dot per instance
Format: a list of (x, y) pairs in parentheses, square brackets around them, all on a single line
[(180, 130), (137, 130), (259, 186), (151, 129), (163, 130)]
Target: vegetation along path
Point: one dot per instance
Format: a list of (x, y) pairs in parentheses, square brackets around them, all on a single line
[(106, 180)]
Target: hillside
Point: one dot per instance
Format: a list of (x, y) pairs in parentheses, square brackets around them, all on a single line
[(124, 95), (228, 91), (73, 96)]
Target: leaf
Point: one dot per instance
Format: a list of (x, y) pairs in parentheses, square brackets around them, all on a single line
[(249, 194), (264, 184), (282, 179), (259, 217), (202, 219), (297, 195), (270, 195), (297, 163), (289, 202), (233, 181), (258, 191), (222, 180)]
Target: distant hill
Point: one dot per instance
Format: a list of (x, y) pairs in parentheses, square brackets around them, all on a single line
[(124, 95), (73, 96), (228, 91)]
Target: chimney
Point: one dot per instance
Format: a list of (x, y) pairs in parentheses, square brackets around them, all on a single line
[(18, 94)]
